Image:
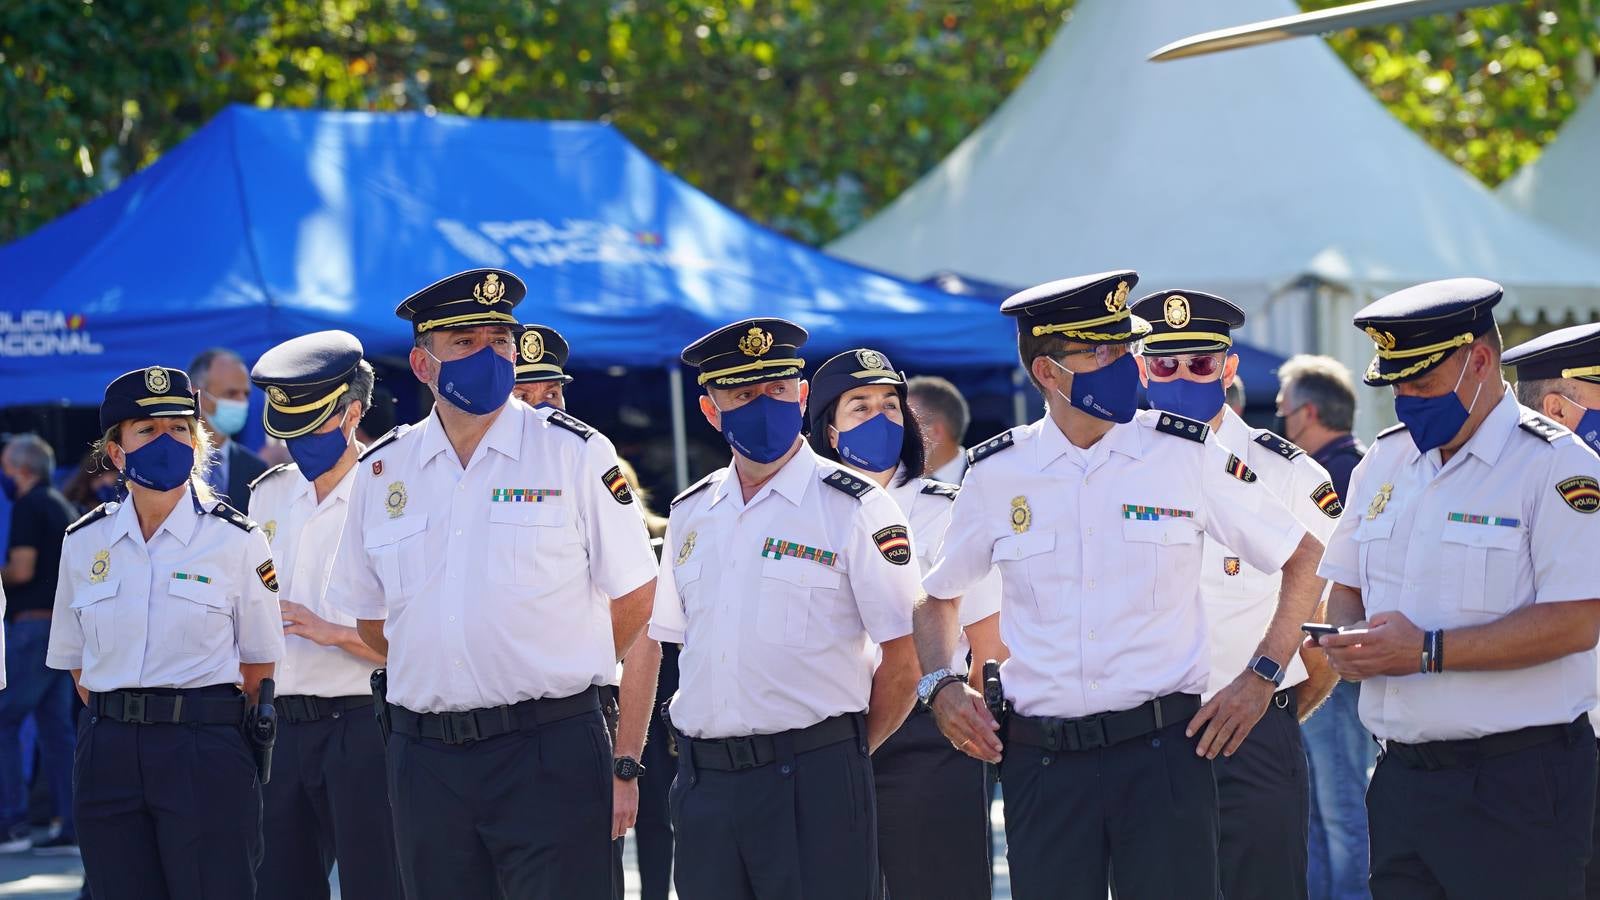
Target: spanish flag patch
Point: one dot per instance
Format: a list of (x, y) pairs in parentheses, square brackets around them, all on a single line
[(268, 576), (1239, 470), (617, 484), (1327, 500), (894, 543), (1581, 492)]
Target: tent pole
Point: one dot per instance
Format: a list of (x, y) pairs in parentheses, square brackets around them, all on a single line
[(680, 440)]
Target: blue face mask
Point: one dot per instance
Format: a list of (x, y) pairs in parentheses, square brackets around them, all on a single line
[(1198, 400), (1435, 421), (874, 445), (763, 429), (1110, 392), (8, 486), (229, 416), (478, 384), (161, 465), (1588, 429), (315, 454)]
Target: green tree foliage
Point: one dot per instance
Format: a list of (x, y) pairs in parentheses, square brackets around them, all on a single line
[(806, 115)]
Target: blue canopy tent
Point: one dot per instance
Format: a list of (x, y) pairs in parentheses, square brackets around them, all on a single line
[(268, 224)]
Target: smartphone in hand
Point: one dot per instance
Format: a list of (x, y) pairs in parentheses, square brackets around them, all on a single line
[(1318, 631)]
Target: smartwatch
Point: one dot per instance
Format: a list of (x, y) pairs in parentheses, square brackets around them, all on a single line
[(626, 768), (1269, 670)]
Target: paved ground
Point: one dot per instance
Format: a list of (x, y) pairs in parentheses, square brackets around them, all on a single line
[(58, 877)]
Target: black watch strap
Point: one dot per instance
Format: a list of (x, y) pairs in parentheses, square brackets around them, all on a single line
[(941, 685), (626, 768)]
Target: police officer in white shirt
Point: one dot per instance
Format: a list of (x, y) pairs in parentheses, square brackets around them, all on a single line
[(1094, 515), (494, 555), (167, 602), (326, 800), (1460, 567), (1263, 794), (933, 803), (788, 575), (541, 377)]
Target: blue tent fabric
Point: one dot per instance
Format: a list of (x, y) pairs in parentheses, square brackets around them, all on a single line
[(267, 224)]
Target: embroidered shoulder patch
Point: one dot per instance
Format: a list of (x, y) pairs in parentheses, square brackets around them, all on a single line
[(1580, 492), (941, 489), (1327, 500), (691, 490), (839, 479), (1281, 446), (1239, 470), (894, 543), (561, 419), (94, 515), (617, 485), (268, 576), (1541, 427), (1001, 441), (1391, 430), (280, 467), (1184, 428)]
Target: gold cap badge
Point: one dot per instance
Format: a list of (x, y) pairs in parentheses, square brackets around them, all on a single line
[(531, 346), (870, 359), (1117, 300), (489, 290), (277, 396), (156, 380), (1383, 339), (1176, 310), (756, 343)]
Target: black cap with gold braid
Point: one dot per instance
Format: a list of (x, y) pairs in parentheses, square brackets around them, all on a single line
[(463, 300), (1564, 353), (304, 378), (748, 352), (541, 355), (1092, 309), (1185, 321), (1417, 328), (146, 394)]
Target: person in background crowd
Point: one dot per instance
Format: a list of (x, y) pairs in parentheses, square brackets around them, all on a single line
[(166, 603), (224, 391), (39, 519), (1467, 613), (1316, 409), (541, 380), (1234, 395), (92, 484), (944, 415)]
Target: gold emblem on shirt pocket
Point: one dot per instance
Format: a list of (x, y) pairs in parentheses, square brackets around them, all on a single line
[(792, 609), (203, 615), (523, 537), (1478, 564)]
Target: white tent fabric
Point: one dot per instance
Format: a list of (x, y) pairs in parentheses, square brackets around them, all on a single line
[(1562, 186), (1270, 175)]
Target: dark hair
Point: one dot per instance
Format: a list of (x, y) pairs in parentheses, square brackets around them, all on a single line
[(944, 400), (913, 451), (1030, 348)]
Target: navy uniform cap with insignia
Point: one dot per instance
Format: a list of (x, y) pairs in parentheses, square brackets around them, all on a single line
[(1188, 322), (1090, 309), (305, 378), (146, 394), (846, 372), (1416, 328), (748, 352), (541, 355), (466, 299), (1564, 353)]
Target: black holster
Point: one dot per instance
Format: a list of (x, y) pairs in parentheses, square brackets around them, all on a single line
[(380, 701), (994, 694), (261, 730)]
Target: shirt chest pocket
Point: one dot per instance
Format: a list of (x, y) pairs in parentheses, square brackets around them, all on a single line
[(1478, 564), (202, 614), (1170, 551), (796, 600), (1027, 571), (396, 551), (1372, 560), (524, 536), (691, 591), (96, 613)]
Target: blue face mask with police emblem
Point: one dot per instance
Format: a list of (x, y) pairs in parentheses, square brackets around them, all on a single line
[(161, 465), (315, 454), (763, 429), (1433, 422), (874, 445), (1588, 429), (1198, 400), (1110, 392), (478, 384)]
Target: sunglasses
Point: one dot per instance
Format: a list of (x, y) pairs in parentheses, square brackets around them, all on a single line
[(1199, 366)]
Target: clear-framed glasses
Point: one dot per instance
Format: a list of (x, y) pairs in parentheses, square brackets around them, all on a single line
[(1104, 354)]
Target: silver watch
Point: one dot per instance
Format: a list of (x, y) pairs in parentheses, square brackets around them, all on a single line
[(930, 681)]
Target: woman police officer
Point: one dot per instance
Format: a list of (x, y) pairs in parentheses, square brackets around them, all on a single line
[(933, 811), (166, 603)]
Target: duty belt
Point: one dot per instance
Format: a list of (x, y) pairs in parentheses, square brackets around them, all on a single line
[(295, 708), (1452, 754), (736, 753), (169, 707), (1102, 729), (482, 724)]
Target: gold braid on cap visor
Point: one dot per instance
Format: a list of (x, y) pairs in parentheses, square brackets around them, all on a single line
[(751, 367), (1585, 372), (1075, 329), (326, 401), (1431, 354), (476, 318)]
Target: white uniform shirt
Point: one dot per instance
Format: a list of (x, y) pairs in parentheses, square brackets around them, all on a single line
[(1100, 556), (182, 610), (953, 471), (1240, 598), (927, 503), (493, 579), (780, 603), (304, 535), (1463, 544)]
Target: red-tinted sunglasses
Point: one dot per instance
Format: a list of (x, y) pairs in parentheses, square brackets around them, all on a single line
[(1167, 366)]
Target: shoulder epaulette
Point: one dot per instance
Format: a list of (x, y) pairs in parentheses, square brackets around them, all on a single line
[(988, 448), (1392, 429), (691, 490), (841, 480), (1279, 445), (940, 489), (1178, 426), (570, 423), (94, 515), (1541, 427), (231, 516), (280, 467), (382, 442)]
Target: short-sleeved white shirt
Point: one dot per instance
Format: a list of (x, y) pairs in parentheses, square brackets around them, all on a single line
[(1100, 552), (781, 603), (1462, 544), (182, 610)]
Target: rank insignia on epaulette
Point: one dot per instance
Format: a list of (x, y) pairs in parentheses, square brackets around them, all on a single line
[(848, 483), (1327, 499), (990, 447), (1580, 492), (1278, 445), (1541, 427), (894, 543), (1178, 426), (1239, 470), (1230, 565)]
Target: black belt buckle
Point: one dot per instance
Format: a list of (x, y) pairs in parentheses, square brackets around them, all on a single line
[(460, 728), (741, 752), (1091, 734), (133, 709)]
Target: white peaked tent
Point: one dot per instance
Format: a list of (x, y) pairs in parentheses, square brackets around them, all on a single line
[(1270, 175), (1562, 186)]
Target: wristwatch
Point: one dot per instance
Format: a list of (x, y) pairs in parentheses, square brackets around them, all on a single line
[(626, 768), (931, 682), (1268, 669)]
